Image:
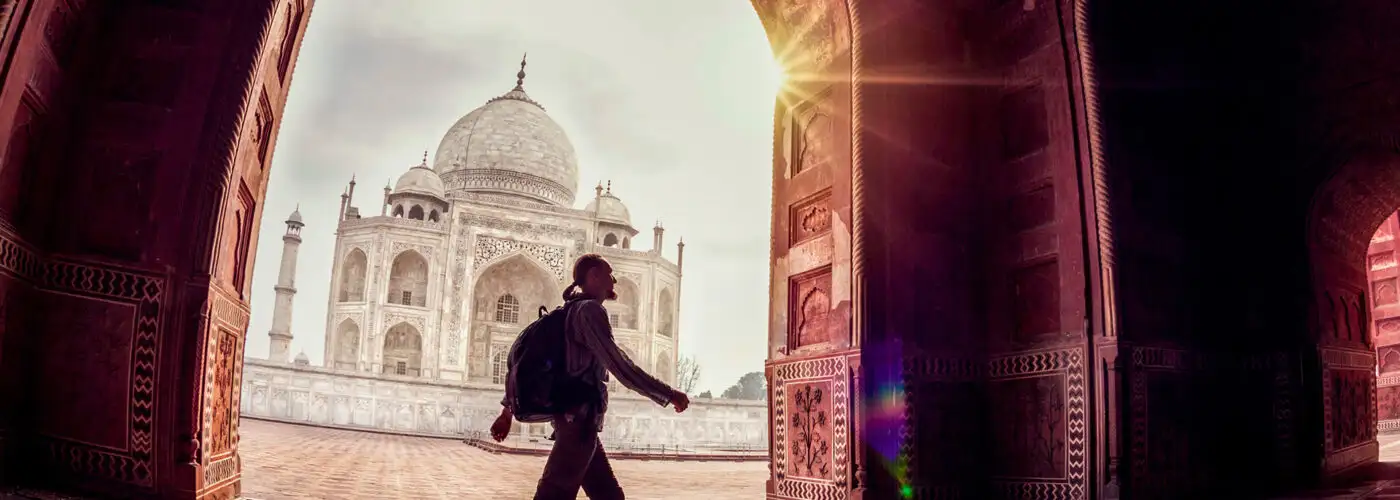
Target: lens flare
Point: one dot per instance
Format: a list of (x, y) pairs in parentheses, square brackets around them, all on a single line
[(886, 416)]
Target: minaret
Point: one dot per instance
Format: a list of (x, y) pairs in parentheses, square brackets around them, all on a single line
[(344, 201), (680, 255), (280, 336), (597, 239), (656, 232), (384, 207)]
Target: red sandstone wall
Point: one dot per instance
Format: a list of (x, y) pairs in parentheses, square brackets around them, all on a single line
[(1385, 321), (137, 136)]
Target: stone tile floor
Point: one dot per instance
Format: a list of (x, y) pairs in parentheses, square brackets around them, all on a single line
[(1378, 489), (287, 461)]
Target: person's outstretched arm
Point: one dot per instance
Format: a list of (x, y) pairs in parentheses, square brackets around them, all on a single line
[(590, 321)]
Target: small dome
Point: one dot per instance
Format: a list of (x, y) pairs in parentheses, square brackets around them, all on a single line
[(301, 359), (610, 209), (421, 180), (295, 217)]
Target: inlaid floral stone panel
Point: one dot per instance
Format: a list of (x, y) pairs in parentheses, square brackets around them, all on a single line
[(811, 428)]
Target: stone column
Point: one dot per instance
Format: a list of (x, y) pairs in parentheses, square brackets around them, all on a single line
[(280, 335)]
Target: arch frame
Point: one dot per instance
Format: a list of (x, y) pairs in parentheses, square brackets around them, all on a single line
[(252, 97), (480, 269), (388, 275), (358, 358)]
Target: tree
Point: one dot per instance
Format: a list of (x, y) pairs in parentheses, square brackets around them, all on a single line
[(751, 386), (687, 374), (706, 394)]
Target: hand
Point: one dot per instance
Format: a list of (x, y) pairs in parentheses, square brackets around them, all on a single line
[(680, 401), (501, 427)]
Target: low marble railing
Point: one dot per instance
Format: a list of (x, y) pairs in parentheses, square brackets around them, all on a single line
[(330, 398)]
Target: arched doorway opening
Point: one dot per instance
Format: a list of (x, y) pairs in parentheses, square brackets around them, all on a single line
[(347, 346), (190, 234), (408, 279), (403, 351), (1351, 251)]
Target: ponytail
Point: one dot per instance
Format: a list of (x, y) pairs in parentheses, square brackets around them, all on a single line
[(582, 267), (570, 291)]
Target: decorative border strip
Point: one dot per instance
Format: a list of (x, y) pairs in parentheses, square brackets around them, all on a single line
[(1069, 362), (1346, 358), (921, 368)]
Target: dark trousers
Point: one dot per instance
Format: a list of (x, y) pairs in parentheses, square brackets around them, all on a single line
[(577, 461)]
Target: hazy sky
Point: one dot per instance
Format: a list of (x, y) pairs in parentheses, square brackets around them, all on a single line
[(671, 100)]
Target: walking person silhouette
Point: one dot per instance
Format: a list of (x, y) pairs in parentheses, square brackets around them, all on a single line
[(558, 373)]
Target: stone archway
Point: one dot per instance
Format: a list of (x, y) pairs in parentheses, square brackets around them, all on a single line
[(174, 252)]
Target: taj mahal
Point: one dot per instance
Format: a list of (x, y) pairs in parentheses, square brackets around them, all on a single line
[(428, 294)]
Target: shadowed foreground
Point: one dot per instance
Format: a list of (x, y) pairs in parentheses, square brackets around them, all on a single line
[(284, 461)]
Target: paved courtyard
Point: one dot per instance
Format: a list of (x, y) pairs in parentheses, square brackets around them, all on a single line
[(285, 461)]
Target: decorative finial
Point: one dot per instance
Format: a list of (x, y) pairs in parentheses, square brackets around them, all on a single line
[(599, 190), (425, 157), (609, 187), (520, 76), (387, 183), (298, 208)]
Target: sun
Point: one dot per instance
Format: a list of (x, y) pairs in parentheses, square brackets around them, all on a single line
[(777, 78)]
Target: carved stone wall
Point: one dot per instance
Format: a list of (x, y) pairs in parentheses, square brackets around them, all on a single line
[(1383, 328)]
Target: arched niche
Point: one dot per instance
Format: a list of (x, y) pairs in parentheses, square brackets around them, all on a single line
[(623, 312), (398, 211), (403, 351), (408, 280), (664, 368), (527, 283), (415, 213), (610, 240), (433, 215), (666, 313), (347, 345), (352, 277)]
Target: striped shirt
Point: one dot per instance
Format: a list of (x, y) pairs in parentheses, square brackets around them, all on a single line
[(592, 352)]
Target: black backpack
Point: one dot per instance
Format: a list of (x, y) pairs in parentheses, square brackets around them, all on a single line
[(537, 367)]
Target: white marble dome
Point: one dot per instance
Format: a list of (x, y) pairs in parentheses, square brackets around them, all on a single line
[(421, 180), (611, 209), (509, 146)]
